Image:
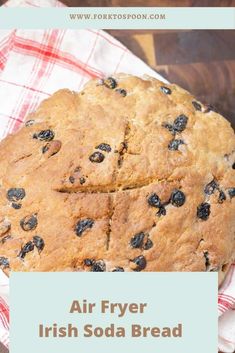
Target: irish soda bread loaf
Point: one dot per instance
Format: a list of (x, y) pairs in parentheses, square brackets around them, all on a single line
[(128, 175)]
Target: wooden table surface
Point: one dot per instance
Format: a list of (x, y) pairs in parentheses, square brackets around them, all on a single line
[(164, 3), (201, 61)]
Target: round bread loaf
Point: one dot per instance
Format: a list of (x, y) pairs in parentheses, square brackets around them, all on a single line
[(128, 175)]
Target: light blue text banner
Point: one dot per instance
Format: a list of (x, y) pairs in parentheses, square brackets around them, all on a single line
[(182, 305), (118, 18)]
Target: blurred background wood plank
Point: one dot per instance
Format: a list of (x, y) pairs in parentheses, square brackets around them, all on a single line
[(165, 3), (134, 3), (3, 349), (202, 62)]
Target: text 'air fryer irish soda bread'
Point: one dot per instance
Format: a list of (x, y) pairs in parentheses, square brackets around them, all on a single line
[(127, 175)]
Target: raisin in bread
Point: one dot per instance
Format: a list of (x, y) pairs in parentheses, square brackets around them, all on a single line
[(128, 175)]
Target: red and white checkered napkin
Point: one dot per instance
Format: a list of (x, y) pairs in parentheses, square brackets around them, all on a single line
[(36, 63), (226, 304)]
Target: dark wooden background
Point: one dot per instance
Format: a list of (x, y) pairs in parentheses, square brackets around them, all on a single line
[(168, 3), (129, 3), (202, 62)]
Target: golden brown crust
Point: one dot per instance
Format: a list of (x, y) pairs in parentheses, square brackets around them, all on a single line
[(68, 178)]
